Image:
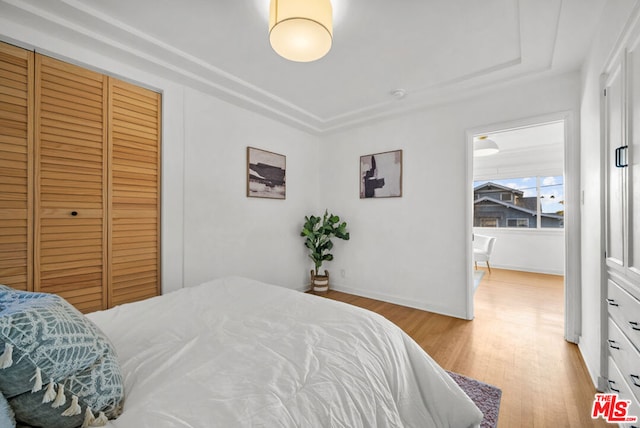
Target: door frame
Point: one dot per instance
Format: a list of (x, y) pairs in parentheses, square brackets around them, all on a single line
[(572, 291)]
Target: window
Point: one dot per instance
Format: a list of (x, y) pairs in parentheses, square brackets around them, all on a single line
[(488, 222), (552, 201), (525, 202), (517, 222)]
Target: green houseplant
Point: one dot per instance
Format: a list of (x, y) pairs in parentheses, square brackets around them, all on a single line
[(318, 232)]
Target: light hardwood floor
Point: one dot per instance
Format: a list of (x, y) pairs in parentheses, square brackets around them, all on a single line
[(515, 342)]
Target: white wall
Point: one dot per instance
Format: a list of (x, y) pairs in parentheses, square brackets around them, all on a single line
[(539, 251), (613, 21), (227, 233), (411, 250)]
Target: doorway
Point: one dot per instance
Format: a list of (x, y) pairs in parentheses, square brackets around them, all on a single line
[(524, 196)]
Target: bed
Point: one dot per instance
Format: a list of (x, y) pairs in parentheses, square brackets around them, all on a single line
[(228, 353), (240, 353)]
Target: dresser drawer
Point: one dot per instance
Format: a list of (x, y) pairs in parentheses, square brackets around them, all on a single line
[(625, 311), (626, 357), (618, 385)]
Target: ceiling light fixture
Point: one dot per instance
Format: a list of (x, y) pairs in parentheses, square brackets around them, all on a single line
[(483, 146), (301, 30)]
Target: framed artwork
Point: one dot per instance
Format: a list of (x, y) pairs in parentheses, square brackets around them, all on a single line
[(266, 174), (381, 175)]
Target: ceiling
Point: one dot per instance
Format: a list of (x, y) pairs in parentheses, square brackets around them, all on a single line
[(524, 151), (435, 50)]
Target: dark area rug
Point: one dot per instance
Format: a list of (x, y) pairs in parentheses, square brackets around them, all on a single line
[(485, 396)]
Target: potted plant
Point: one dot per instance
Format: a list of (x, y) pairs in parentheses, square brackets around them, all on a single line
[(318, 233)]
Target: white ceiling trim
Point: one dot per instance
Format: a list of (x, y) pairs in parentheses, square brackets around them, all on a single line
[(201, 72), (534, 60)]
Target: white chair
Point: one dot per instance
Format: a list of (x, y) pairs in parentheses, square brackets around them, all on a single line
[(482, 248)]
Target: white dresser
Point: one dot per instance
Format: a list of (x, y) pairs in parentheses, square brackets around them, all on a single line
[(621, 331), (624, 344)]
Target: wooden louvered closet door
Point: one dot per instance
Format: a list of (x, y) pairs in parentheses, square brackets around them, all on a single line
[(16, 185), (70, 254), (134, 144)]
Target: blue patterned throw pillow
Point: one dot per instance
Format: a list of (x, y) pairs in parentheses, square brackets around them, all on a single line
[(7, 418), (57, 369)]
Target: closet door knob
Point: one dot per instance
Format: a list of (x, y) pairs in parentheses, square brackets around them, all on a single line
[(74, 213)]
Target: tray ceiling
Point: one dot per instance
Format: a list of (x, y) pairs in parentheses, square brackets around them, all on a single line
[(436, 51)]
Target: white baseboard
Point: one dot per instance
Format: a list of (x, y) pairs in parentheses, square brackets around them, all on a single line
[(395, 300), (527, 269), (598, 382)]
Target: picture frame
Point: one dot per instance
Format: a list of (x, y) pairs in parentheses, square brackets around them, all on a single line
[(381, 175), (266, 174)]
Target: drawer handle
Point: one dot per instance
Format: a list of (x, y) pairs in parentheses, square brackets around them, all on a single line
[(612, 302), (74, 213), (612, 344), (611, 383), (635, 379), (634, 325)]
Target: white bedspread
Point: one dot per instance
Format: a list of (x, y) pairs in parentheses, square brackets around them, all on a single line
[(240, 353)]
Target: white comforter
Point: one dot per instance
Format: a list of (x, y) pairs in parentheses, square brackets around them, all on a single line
[(239, 353)]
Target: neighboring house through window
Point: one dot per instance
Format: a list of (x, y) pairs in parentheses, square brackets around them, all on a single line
[(529, 202)]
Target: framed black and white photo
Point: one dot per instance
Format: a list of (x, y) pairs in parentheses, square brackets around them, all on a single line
[(266, 174), (381, 175)]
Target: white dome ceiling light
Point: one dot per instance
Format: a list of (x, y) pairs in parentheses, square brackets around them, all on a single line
[(483, 146), (301, 30)]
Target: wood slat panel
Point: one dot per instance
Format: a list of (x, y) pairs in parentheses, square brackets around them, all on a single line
[(53, 170), (125, 252), (134, 195), (71, 171), (14, 113), (51, 234), (128, 285), (12, 148), (86, 112), (140, 118), (69, 274), (72, 163), (136, 155), (58, 99), (16, 166), (7, 99), (9, 128), (73, 205), (7, 230), (14, 260), (13, 92), (92, 279), (79, 147), (10, 250), (123, 106), (137, 294), (80, 83), (120, 259), (66, 125), (19, 282), (13, 80), (126, 178)]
